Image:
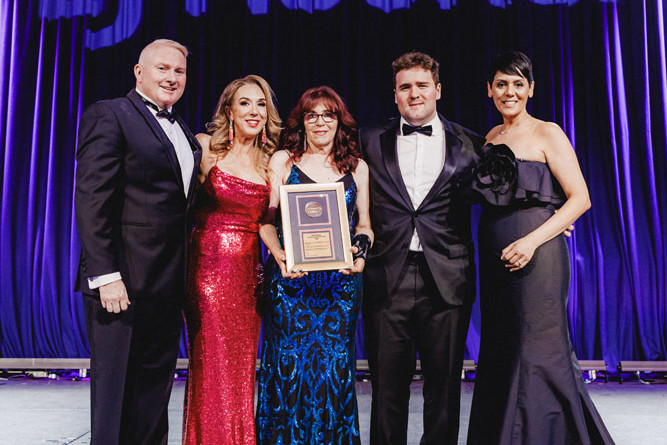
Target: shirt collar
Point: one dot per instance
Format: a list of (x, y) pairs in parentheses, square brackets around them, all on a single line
[(150, 100)]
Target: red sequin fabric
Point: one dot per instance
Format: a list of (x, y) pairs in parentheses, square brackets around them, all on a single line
[(221, 312)]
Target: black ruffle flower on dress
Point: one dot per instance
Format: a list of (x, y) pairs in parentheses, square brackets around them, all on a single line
[(501, 180), (495, 175)]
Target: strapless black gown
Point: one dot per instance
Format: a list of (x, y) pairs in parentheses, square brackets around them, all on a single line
[(528, 387)]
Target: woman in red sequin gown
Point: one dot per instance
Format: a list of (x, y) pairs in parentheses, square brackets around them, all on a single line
[(221, 311)]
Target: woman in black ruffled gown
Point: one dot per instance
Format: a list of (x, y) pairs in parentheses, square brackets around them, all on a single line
[(529, 388)]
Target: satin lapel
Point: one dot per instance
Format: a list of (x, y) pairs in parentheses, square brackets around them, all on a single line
[(390, 158), (161, 135), (452, 150), (196, 153)]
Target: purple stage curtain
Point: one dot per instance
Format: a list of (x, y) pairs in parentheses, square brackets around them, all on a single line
[(600, 73)]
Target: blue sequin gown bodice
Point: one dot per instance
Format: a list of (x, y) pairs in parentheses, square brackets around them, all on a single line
[(307, 376)]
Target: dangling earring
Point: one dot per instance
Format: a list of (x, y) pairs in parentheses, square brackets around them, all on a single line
[(231, 133), (264, 136)]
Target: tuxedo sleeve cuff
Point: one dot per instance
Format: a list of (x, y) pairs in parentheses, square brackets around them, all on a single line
[(95, 282)]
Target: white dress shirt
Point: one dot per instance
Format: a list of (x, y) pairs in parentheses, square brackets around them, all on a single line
[(186, 161), (421, 159), (180, 142)]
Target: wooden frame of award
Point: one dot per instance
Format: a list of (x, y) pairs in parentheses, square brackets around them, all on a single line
[(316, 233)]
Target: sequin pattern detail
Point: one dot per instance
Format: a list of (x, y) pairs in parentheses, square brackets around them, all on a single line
[(222, 312), (307, 377)]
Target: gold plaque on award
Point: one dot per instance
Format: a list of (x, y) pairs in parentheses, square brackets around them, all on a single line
[(316, 233)]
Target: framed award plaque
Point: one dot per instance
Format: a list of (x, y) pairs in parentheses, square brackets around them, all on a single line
[(316, 232)]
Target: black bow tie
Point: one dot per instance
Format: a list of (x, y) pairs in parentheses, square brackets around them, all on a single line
[(171, 115), (409, 129)]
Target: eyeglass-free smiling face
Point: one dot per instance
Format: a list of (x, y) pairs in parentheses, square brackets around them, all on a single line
[(248, 111), (416, 95), (161, 75), (321, 126), (510, 93)]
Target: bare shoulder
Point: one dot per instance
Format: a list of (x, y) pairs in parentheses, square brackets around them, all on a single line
[(553, 141), (550, 132), (280, 163), (207, 159), (204, 140), (493, 133), (362, 169), (279, 159)]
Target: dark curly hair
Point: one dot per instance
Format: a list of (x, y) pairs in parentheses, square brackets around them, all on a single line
[(416, 59), (345, 154)]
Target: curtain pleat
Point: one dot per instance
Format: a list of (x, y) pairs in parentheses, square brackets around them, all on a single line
[(600, 74)]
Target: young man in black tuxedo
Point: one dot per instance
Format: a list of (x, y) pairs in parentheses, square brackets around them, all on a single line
[(419, 281), (137, 164)]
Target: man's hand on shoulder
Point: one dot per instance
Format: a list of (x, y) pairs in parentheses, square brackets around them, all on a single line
[(114, 297)]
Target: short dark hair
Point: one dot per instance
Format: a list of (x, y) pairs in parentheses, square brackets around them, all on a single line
[(416, 59), (512, 62)]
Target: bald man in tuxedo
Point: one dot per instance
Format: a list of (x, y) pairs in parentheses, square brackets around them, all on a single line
[(137, 164)]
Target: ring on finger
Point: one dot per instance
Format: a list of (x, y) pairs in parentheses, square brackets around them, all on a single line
[(518, 263)]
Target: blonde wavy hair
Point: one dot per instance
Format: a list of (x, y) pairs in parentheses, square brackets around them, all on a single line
[(218, 128)]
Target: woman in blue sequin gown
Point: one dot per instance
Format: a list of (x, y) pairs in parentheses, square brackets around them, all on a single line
[(307, 377), (528, 389)]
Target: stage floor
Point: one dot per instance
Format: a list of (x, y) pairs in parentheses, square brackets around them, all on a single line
[(57, 411)]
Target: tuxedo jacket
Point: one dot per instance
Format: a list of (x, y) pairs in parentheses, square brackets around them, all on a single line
[(131, 208), (442, 220)]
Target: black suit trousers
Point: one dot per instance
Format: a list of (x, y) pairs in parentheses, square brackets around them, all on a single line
[(133, 357), (414, 318)]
